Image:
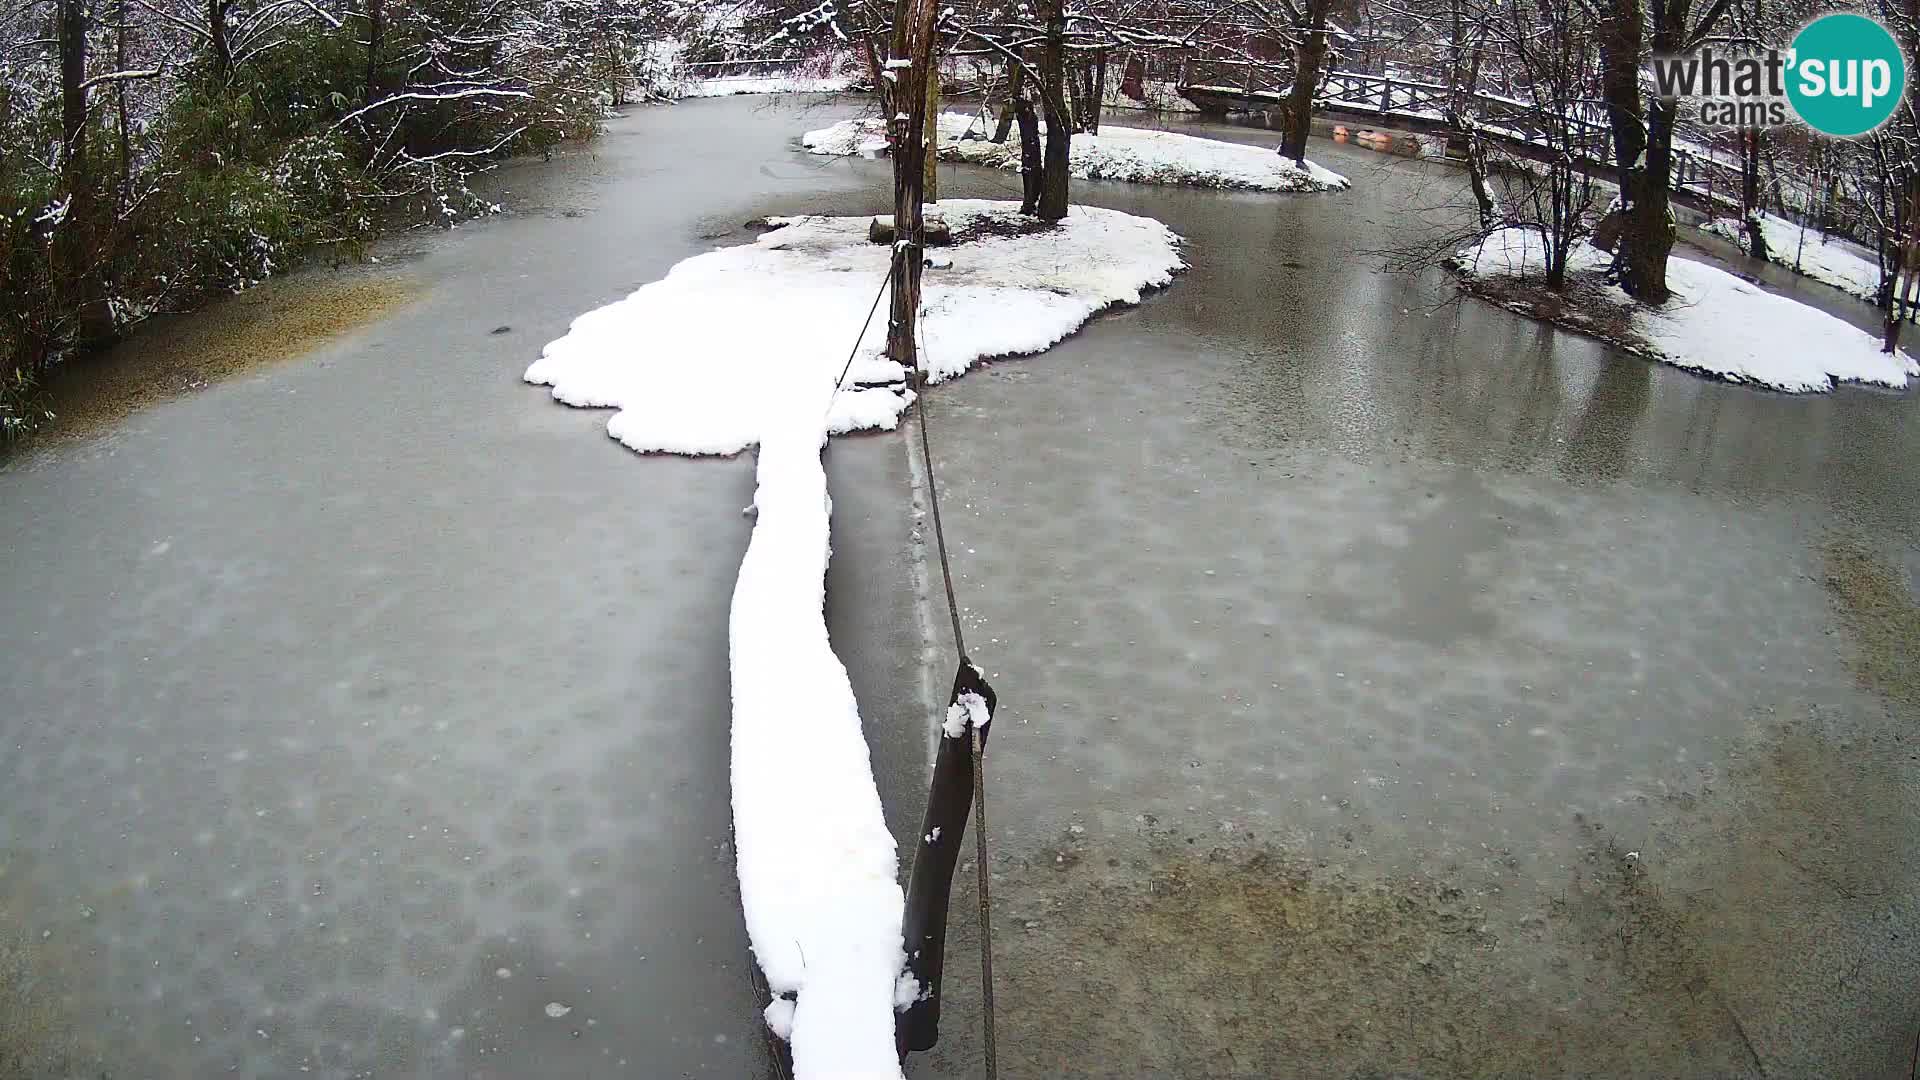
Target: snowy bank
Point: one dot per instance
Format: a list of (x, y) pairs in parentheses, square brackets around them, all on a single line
[(1840, 263), (764, 84), (743, 346), (1716, 323), (1139, 155)]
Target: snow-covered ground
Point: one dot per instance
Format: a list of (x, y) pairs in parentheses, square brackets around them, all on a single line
[(1140, 155), (764, 84), (742, 346), (1839, 263), (1716, 323)]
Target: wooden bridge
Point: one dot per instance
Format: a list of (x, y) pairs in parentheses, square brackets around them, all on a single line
[(1700, 181)]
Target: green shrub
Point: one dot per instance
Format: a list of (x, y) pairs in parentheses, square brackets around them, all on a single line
[(20, 409), (303, 86), (331, 194)]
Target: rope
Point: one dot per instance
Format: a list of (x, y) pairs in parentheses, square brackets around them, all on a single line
[(981, 876), (841, 382), (986, 904), (933, 499)]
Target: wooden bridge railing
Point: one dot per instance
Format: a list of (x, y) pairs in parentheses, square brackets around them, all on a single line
[(1518, 125)]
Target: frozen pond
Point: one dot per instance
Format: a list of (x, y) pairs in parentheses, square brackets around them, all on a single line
[(1389, 688), (1397, 689), (368, 715)]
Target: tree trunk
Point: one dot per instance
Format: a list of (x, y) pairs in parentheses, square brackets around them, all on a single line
[(1907, 226), (1309, 55), (1030, 160), (1077, 95), (76, 245), (1642, 145), (1901, 301), (1620, 48), (1097, 99), (1005, 124), (913, 32), (1750, 192), (121, 127), (1477, 180), (218, 43), (376, 36), (1647, 236), (1053, 103), (872, 58), (931, 103)]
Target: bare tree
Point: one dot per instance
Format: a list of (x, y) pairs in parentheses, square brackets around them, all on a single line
[(1544, 50)]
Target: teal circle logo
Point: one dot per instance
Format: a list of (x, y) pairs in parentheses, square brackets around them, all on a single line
[(1847, 76)]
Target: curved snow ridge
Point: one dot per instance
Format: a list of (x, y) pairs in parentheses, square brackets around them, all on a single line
[(1716, 324), (1137, 155), (693, 361), (742, 346), (816, 862)]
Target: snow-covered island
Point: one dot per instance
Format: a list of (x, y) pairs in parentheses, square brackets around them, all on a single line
[(707, 358), (1139, 155), (1716, 324), (744, 346)]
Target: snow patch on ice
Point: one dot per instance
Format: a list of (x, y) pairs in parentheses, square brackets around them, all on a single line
[(1139, 155), (1716, 323)]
